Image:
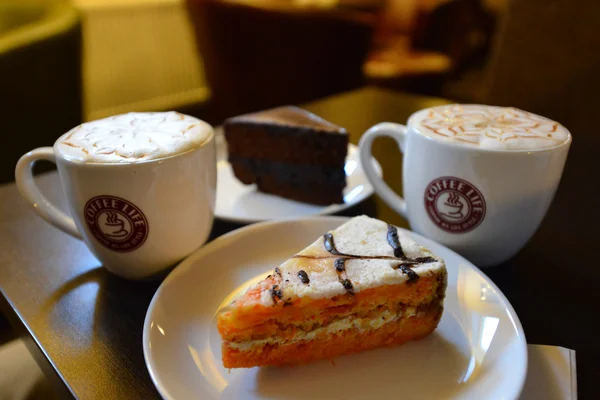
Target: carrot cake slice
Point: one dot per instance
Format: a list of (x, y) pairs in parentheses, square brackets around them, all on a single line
[(363, 285)]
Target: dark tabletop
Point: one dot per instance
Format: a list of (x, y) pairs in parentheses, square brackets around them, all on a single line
[(84, 325)]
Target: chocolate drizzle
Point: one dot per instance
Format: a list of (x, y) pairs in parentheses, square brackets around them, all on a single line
[(276, 293), (425, 260), (340, 268), (303, 277), (404, 263), (347, 285), (392, 238), (330, 245), (412, 275), (349, 256), (408, 263)]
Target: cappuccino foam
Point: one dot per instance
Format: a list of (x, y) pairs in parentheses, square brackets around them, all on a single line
[(489, 127), (133, 137)]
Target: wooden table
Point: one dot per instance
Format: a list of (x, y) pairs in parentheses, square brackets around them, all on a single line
[(85, 326)]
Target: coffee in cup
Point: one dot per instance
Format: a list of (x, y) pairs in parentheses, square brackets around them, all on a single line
[(489, 127)]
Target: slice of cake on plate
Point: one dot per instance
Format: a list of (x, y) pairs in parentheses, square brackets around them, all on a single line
[(289, 152), (363, 285)]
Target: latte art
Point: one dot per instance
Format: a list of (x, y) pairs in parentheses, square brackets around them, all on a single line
[(502, 128), (133, 137)]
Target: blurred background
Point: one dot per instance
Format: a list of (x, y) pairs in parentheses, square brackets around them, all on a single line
[(63, 62), (67, 61)]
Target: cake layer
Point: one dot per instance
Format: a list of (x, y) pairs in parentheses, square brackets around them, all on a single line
[(239, 322), (281, 331), (303, 176), (328, 345), (298, 147), (294, 333), (288, 116), (320, 185), (322, 195), (313, 184)]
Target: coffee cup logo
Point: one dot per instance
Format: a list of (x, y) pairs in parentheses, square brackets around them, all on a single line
[(453, 207), (116, 223), (454, 204), (114, 226)]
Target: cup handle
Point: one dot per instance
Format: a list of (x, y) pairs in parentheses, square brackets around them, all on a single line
[(28, 189), (398, 133)]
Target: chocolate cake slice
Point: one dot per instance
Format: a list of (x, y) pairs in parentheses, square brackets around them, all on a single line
[(289, 152)]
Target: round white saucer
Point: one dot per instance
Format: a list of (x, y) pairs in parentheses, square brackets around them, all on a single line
[(477, 352), (241, 203)]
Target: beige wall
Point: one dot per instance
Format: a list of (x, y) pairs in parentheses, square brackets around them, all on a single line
[(138, 55)]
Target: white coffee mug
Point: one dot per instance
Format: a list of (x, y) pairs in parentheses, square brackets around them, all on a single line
[(137, 218), (485, 203)]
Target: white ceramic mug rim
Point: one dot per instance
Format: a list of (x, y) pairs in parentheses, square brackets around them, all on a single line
[(411, 126), (83, 164)]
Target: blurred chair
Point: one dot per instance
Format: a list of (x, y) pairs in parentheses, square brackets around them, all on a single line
[(40, 76), (461, 29), (422, 46), (395, 65), (267, 53), (547, 60)]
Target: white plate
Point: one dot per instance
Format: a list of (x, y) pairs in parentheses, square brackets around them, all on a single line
[(241, 203), (477, 352)]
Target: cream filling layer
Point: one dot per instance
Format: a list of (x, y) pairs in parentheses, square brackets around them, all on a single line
[(362, 324)]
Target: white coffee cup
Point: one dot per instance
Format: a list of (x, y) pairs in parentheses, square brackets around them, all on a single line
[(141, 193), (478, 179)]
